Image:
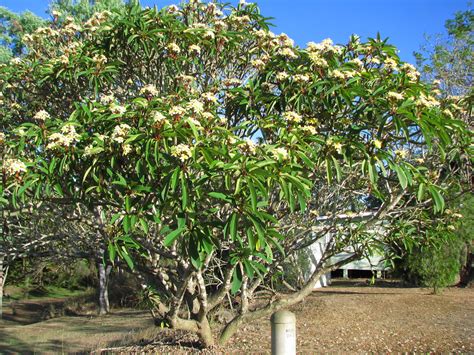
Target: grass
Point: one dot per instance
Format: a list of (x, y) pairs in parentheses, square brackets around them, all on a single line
[(22, 292)]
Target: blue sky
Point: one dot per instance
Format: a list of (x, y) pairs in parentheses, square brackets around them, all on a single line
[(404, 21)]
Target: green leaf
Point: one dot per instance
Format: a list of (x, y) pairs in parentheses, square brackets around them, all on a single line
[(144, 225), (171, 237), (421, 192), (338, 169), (184, 192), (174, 179), (402, 177), (328, 171), (438, 199), (127, 258), (220, 196), (127, 204), (236, 280), (233, 226), (251, 238), (126, 223), (253, 195), (112, 252)]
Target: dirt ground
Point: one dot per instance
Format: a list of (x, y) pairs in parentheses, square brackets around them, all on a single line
[(345, 317)]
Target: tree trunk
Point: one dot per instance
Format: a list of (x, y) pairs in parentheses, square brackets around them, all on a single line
[(1, 286), (104, 273), (466, 273), (205, 333)]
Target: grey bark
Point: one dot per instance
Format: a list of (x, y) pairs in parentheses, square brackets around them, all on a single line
[(104, 274), (1, 286)]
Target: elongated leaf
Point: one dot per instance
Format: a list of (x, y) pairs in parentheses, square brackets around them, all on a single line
[(438, 199), (233, 226), (171, 237), (253, 195), (236, 280)]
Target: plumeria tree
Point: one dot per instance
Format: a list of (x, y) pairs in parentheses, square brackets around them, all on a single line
[(208, 149)]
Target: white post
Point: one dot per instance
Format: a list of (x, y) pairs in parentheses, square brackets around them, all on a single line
[(283, 333)]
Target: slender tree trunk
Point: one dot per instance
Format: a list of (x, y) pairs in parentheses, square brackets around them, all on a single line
[(104, 273), (205, 333), (2, 282)]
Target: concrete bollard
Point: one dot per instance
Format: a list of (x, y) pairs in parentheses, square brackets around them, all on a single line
[(283, 333)]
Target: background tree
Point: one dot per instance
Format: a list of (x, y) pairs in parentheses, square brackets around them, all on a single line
[(209, 150), (448, 58), (445, 61), (36, 241), (12, 29), (82, 10)]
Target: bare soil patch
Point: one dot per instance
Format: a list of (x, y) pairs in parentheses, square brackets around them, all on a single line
[(343, 317)]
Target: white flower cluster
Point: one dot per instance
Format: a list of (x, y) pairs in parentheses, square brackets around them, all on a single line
[(2, 137), (280, 153), (65, 139), (309, 130), (248, 147), (89, 150), (324, 46), (177, 111), (15, 60), (71, 29), (208, 116), (209, 97), (150, 90), (99, 59), (359, 63), (395, 96), (120, 133), (213, 10), (292, 117), (301, 78), (317, 59), (117, 109), (181, 151), (258, 64), (127, 149), (390, 64), (42, 115), (172, 9), (282, 76), (427, 101), (195, 106), (336, 145), (401, 153), (107, 99), (13, 167), (194, 49), (344, 75), (285, 40), (96, 20), (287, 52), (410, 71), (173, 49), (159, 119)]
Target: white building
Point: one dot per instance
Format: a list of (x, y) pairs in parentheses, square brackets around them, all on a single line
[(374, 263)]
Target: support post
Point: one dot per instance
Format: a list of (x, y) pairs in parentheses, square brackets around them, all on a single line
[(345, 273), (283, 333)]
